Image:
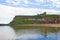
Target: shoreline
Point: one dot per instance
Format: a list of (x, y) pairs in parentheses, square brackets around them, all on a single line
[(36, 25), (39, 25), (4, 25)]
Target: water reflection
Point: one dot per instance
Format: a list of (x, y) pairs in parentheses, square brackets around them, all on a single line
[(31, 33), (34, 34), (8, 33)]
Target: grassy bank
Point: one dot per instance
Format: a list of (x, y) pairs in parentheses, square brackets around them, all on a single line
[(21, 21), (24, 19)]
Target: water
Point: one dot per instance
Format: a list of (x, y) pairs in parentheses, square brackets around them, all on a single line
[(34, 34), (8, 33)]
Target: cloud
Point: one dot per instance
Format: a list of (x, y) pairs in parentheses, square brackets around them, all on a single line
[(6, 11), (17, 2), (51, 11), (56, 3), (6, 14), (26, 3), (14, 2), (12, 11), (39, 1)]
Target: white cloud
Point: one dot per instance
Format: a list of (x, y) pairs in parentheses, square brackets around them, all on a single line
[(56, 3), (6, 10), (6, 14), (14, 2), (26, 2), (48, 0), (17, 2), (34, 11), (51, 11), (11, 11), (8, 1), (26, 11), (39, 1)]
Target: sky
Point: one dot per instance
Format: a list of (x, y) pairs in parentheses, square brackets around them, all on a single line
[(11, 8)]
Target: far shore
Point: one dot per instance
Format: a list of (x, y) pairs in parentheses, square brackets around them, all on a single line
[(39, 25), (4, 24)]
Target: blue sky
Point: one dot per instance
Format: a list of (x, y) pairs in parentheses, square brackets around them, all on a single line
[(40, 4), (33, 4), (11, 8)]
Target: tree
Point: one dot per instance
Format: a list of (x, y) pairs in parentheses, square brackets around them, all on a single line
[(44, 13), (41, 15)]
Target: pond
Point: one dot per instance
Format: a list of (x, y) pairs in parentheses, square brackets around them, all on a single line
[(9, 33)]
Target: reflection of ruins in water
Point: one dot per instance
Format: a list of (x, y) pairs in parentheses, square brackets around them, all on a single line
[(6, 32)]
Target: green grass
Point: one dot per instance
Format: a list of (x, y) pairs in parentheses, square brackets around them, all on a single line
[(46, 15), (52, 16), (21, 21)]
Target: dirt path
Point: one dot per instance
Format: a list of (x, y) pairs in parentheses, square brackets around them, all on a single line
[(39, 25)]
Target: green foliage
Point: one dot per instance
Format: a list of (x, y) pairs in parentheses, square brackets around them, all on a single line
[(21, 21), (44, 15), (41, 15), (52, 16)]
